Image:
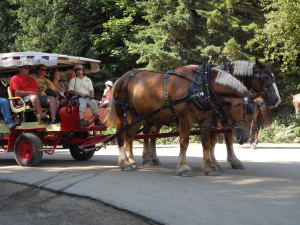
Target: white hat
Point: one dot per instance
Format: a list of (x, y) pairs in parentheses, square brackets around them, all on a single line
[(109, 83), (78, 66)]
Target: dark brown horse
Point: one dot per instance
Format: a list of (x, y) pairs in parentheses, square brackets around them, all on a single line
[(137, 94), (258, 77)]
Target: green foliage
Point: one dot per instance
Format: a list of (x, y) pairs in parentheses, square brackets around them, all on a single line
[(279, 132), (177, 32), (8, 25), (279, 38)]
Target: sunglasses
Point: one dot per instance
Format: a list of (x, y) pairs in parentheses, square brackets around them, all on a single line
[(26, 67), (43, 69)]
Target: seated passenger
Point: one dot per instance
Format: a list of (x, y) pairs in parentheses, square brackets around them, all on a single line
[(60, 86), (106, 94), (82, 87), (5, 109), (70, 74), (48, 93), (25, 86)]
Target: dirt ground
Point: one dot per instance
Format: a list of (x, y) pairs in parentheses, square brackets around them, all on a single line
[(22, 204)]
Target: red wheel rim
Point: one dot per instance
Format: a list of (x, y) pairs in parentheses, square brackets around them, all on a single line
[(25, 150)]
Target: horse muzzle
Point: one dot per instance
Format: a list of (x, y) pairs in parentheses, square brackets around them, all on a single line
[(241, 135)]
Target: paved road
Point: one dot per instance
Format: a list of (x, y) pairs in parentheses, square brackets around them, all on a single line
[(266, 192)]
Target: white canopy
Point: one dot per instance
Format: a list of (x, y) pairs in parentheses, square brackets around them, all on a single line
[(9, 62)]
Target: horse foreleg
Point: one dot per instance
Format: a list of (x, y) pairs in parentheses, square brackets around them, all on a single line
[(208, 167), (129, 153), (254, 130), (183, 169), (213, 141), (232, 160)]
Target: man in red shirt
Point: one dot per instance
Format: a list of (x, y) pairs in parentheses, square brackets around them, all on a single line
[(22, 85)]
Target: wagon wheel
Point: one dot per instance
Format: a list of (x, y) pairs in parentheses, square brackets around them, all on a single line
[(79, 154), (26, 150)]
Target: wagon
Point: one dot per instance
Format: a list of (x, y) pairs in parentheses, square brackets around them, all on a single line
[(31, 138)]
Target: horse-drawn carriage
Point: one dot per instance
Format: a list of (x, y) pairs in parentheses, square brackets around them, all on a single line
[(185, 96), (31, 138)]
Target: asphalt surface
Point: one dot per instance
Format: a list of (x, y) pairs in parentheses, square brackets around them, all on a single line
[(266, 192)]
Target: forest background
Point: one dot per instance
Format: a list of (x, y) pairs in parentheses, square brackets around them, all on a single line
[(164, 34)]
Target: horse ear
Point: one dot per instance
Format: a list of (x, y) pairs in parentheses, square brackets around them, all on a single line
[(269, 64), (259, 64)]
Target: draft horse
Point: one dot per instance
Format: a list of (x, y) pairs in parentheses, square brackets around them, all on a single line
[(164, 98), (257, 77)]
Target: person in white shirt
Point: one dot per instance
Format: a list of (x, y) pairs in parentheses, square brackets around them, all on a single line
[(82, 87)]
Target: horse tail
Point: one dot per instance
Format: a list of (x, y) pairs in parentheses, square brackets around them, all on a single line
[(111, 118)]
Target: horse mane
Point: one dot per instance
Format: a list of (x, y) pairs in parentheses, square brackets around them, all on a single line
[(228, 80), (242, 68)]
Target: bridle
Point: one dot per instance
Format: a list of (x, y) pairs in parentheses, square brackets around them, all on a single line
[(261, 80), (248, 109)]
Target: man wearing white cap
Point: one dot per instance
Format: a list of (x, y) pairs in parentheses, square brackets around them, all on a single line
[(82, 87)]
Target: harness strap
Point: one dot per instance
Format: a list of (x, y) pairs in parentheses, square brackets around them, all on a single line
[(175, 102)]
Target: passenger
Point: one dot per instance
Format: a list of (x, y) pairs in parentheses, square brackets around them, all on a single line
[(106, 94), (23, 85), (60, 86), (82, 87), (70, 74), (5, 109), (48, 93)]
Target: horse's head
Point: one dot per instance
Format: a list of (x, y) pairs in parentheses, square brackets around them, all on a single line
[(296, 103), (241, 113), (265, 82)]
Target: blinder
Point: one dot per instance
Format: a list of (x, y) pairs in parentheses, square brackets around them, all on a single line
[(249, 108)]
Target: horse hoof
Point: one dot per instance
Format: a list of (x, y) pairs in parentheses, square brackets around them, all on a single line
[(135, 167), (186, 173), (213, 173), (156, 162), (238, 166), (148, 163), (128, 168)]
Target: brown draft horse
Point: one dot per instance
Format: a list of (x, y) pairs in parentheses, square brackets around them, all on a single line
[(296, 103), (139, 93), (258, 77), (255, 76)]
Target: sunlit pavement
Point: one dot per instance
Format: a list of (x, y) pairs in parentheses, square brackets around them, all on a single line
[(266, 192)]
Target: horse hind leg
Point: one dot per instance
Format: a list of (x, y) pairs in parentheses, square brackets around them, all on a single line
[(149, 152)]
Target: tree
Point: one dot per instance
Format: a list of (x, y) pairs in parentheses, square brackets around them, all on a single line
[(279, 39), (178, 31), (8, 24)]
